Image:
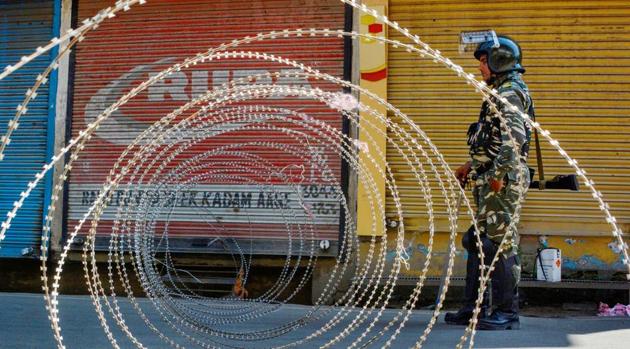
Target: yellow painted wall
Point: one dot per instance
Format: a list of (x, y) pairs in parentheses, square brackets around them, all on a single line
[(579, 254)]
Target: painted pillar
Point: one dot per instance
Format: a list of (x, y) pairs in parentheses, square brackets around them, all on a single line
[(373, 72), (61, 115)]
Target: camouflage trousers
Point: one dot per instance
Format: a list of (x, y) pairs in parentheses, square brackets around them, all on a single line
[(495, 211), (505, 277)]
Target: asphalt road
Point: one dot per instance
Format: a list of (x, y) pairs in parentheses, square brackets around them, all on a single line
[(24, 324)]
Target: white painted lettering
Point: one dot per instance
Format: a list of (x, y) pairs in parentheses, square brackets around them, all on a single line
[(199, 82), (174, 86)]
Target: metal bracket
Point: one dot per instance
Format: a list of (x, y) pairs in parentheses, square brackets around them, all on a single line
[(468, 39)]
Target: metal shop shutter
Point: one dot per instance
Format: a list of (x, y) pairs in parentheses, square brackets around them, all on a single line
[(125, 50), (577, 56), (25, 25)]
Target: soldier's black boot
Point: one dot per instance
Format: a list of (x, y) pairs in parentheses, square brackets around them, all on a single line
[(500, 320), (461, 317), (505, 291)]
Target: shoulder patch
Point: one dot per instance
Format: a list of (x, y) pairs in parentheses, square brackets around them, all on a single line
[(506, 86)]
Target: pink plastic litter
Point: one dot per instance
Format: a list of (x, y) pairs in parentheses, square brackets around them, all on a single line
[(617, 310)]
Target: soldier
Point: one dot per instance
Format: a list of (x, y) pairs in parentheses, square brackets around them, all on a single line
[(499, 175)]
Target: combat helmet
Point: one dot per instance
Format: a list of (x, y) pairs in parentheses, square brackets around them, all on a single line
[(503, 59)]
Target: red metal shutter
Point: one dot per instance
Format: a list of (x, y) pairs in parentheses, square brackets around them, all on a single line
[(127, 49)]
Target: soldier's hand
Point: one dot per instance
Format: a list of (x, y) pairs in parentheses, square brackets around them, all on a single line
[(462, 173), (495, 185)]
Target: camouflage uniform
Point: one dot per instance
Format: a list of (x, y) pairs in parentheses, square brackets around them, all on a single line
[(494, 157)]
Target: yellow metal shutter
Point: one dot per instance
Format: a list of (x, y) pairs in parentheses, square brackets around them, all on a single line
[(577, 56)]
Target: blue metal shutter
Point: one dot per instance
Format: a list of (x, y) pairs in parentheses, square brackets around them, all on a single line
[(25, 25)]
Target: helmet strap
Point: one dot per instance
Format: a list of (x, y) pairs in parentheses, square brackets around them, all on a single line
[(492, 79)]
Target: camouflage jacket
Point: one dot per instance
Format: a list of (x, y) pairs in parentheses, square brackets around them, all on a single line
[(490, 148)]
